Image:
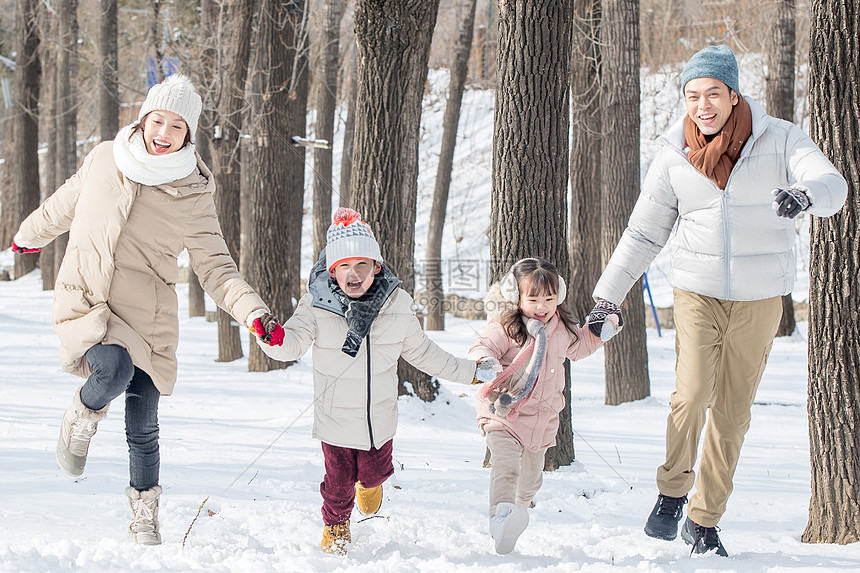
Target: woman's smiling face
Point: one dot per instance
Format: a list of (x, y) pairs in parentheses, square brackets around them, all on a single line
[(164, 132)]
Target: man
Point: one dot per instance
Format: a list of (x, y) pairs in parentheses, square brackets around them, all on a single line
[(732, 179)]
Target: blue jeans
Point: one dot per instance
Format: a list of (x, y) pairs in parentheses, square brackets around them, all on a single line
[(113, 374)]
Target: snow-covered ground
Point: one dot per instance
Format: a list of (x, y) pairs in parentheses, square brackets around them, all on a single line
[(242, 441)]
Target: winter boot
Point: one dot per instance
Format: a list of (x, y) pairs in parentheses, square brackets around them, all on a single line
[(369, 500), (507, 525), (79, 424), (335, 539), (144, 515), (703, 539), (664, 518)]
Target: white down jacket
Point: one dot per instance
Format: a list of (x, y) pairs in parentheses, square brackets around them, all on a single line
[(355, 399), (727, 244)]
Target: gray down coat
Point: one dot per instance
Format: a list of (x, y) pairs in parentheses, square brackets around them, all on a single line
[(116, 284), (727, 244)]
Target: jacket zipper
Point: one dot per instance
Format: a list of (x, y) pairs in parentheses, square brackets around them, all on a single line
[(369, 424)]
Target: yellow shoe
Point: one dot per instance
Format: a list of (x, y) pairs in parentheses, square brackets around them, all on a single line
[(369, 500), (335, 539)]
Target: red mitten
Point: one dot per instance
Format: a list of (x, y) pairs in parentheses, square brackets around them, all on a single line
[(276, 337), (17, 249), (267, 329)]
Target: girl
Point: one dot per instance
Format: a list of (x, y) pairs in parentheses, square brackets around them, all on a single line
[(132, 207), (530, 335)]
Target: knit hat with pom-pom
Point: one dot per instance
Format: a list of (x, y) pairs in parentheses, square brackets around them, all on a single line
[(177, 94), (350, 238)]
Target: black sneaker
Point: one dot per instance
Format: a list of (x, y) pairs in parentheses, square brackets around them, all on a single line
[(664, 518), (703, 539)]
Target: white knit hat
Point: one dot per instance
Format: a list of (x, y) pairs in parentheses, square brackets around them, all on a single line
[(350, 238), (176, 93)]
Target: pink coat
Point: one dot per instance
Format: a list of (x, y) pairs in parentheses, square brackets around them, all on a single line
[(537, 423)]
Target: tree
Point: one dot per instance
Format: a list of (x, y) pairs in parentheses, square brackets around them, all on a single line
[(272, 169), (834, 322), (780, 100), (25, 128), (47, 117), (528, 212), (66, 98), (348, 136), (392, 50), (109, 62), (326, 102), (433, 268), (627, 356), (585, 207), (225, 69)]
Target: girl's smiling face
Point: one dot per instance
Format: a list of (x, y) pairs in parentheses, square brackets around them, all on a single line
[(164, 132), (539, 306)]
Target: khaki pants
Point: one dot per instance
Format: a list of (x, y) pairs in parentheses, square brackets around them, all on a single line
[(722, 348), (517, 472)]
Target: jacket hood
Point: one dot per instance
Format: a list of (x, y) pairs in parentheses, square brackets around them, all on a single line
[(323, 297)]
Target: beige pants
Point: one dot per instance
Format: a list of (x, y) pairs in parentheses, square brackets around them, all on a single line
[(722, 348), (517, 472)]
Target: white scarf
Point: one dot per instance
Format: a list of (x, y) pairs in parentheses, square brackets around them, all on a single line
[(137, 164)]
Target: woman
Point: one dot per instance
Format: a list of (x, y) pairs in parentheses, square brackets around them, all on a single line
[(131, 209)]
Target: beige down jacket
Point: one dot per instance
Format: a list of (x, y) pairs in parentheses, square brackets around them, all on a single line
[(116, 284), (355, 399)]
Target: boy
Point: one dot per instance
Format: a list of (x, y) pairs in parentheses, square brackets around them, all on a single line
[(360, 323)]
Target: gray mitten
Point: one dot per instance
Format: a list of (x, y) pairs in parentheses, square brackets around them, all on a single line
[(789, 203)]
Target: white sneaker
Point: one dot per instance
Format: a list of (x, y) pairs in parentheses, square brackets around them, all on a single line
[(507, 525)]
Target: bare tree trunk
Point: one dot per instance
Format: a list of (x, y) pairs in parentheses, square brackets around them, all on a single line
[(528, 216), (348, 137), (155, 37), (393, 46), (433, 264), (326, 102), (225, 70), (66, 24), (585, 204), (834, 293), (627, 356), (48, 113), (273, 171), (780, 100), (108, 93), (25, 128)]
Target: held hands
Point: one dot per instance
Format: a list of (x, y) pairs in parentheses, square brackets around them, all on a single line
[(486, 370), (18, 249), (605, 320), (267, 329), (789, 203)]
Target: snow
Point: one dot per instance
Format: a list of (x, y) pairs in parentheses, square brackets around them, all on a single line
[(242, 442)]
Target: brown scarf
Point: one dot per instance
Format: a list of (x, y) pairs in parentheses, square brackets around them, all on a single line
[(715, 158)]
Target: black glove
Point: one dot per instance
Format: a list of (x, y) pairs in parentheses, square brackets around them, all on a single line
[(789, 202), (604, 320)]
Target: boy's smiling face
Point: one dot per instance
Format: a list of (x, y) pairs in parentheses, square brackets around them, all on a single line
[(354, 276)]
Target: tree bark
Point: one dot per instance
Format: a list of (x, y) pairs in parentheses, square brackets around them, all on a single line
[(155, 38), (109, 62), (272, 169), (348, 137), (528, 213), (626, 356), (433, 262), (834, 293), (780, 100), (66, 95), (326, 103), (393, 47), (48, 113), (25, 128), (585, 204)]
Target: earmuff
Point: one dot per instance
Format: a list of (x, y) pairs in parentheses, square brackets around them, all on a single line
[(511, 290)]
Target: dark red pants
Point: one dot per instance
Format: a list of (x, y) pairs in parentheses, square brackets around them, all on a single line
[(344, 467)]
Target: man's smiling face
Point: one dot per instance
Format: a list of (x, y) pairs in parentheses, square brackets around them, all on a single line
[(709, 103)]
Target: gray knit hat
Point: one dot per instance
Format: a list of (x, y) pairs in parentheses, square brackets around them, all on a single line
[(176, 93), (716, 62), (350, 238)]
